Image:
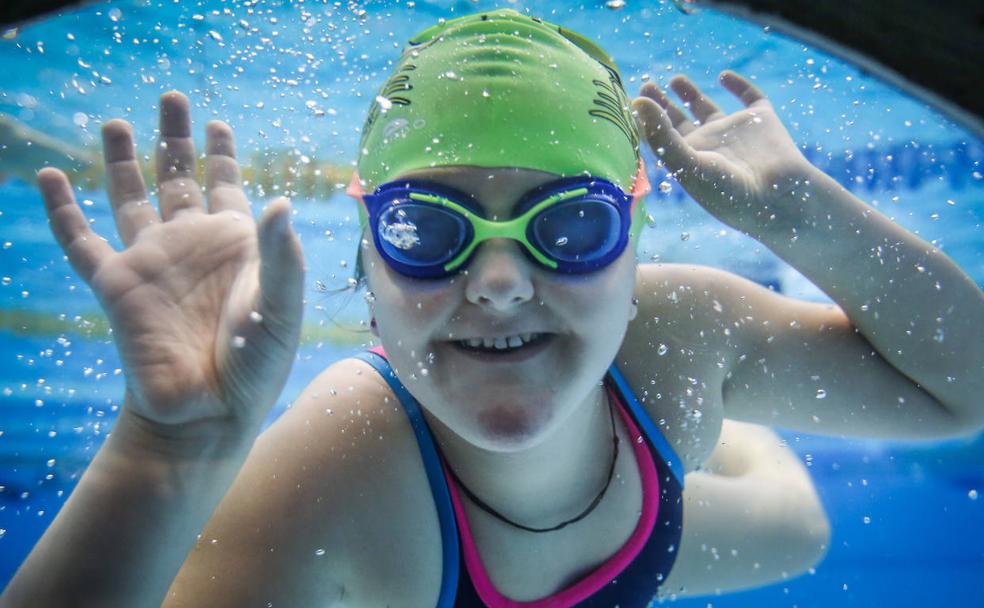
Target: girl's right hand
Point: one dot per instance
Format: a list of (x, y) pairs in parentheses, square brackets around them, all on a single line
[(204, 303)]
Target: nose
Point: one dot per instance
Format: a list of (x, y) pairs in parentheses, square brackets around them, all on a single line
[(499, 276)]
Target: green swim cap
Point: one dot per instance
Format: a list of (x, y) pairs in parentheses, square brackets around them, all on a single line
[(500, 89)]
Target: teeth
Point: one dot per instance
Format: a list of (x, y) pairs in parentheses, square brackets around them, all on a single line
[(502, 343)]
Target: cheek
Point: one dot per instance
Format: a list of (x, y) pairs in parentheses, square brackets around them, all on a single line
[(401, 302), (607, 293)]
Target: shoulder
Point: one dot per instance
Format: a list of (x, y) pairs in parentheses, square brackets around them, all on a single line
[(679, 348), (325, 501), (706, 309), (689, 288)]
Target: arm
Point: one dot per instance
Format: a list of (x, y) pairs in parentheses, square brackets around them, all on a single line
[(205, 308), (751, 517), (130, 522), (904, 337)]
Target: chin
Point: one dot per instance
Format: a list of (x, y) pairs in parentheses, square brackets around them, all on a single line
[(510, 428)]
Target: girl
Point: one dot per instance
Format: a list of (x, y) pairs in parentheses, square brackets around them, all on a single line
[(524, 434)]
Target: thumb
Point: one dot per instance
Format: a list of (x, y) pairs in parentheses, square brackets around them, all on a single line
[(663, 139), (281, 265)]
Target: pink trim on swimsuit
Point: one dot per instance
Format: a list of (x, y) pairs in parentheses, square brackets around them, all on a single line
[(605, 573)]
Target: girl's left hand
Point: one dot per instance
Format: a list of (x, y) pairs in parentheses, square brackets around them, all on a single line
[(743, 168)]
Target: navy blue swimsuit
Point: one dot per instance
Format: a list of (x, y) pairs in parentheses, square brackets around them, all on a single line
[(629, 579)]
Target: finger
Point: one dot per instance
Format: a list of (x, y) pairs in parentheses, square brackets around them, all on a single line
[(700, 105), (663, 139), (83, 247), (132, 210), (281, 266), (223, 183), (176, 158), (681, 122), (745, 91)]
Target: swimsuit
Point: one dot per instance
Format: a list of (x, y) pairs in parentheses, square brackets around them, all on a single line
[(628, 579)]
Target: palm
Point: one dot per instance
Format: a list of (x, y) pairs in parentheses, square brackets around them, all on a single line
[(750, 145), (168, 299), (735, 165), (203, 332)]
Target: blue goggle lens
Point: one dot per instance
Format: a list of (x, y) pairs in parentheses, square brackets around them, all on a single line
[(421, 235), (578, 231)]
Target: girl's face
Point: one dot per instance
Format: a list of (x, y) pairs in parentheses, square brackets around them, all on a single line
[(500, 400)]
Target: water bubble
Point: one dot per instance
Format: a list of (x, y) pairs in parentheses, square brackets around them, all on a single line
[(662, 350), (255, 317), (560, 242), (384, 103), (665, 187), (866, 520), (972, 495), (215, 36), (615, 4), (402, 235), (684, 236), (821, 393), (319, 552), (238, 341), (50, 463)]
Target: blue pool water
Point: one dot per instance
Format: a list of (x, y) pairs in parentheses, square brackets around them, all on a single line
[(295, 81)]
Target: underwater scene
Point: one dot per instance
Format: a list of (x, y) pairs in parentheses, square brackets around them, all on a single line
[(295, 80)]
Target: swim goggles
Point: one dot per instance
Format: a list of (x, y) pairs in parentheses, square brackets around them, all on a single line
[(572, 225)]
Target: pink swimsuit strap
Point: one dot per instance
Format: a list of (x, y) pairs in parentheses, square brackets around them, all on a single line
[(605, 573)]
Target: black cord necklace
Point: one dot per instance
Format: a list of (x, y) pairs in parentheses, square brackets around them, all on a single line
[(594, 503)]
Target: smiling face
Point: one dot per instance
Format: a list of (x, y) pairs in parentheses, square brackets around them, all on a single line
[(569, 326)]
